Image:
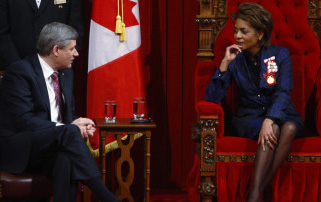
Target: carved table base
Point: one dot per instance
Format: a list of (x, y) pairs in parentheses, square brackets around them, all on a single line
[(124, 126)]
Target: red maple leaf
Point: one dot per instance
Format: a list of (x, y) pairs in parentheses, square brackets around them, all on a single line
[(105, 12)]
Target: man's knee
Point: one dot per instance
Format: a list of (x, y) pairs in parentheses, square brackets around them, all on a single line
[(71, 132)]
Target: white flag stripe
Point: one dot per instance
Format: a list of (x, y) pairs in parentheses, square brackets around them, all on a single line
[(136, 11), (104, 45)]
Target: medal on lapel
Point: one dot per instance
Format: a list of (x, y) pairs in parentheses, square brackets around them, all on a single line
[(272, 68)]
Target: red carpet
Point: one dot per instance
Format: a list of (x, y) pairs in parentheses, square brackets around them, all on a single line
[(169, 196)]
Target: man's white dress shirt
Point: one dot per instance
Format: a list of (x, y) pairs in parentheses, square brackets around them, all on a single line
[(47, 72), (38, 3)]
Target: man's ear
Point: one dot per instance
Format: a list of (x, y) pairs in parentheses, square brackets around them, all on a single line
[(55, 50)]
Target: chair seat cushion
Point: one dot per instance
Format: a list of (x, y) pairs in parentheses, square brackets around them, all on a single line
[(25, 186), (239, 145)]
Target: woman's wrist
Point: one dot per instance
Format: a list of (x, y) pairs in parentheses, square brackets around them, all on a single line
[(269, 121), (224, 65)]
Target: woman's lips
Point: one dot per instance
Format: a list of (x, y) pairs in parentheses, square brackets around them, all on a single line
[(240, 43)]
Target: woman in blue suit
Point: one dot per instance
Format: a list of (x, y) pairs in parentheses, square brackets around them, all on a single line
[(263, 75)]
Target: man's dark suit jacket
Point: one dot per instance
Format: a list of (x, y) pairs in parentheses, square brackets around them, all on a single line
[(25, 109), (21, 22)]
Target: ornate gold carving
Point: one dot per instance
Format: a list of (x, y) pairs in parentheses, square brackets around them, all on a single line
[(208, 125), (208, 170), (207, 188), (205, 21), (290, 158), (204, 1), (244, 158), (221, 7), (312, 158), (196, 132), (218, 26), (232, 158), (301, 158), (315, 25), (313, 7), (208, 150), (251, 158), (221, 158), (314, 17), (211, 19)]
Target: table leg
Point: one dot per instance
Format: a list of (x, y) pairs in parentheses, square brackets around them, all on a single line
[(102, 155), (124, 185), (147, 165)]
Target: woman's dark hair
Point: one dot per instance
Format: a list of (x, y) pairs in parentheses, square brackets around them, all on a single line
[(259, 18)]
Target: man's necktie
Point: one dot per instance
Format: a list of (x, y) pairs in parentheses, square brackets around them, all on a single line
[(56, 86)]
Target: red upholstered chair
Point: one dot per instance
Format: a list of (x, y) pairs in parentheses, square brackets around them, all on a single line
[(224, 167)]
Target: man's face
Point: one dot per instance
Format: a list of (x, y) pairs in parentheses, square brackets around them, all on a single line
[(67, 55)]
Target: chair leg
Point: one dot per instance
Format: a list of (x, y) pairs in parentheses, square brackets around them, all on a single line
[(87, 194)]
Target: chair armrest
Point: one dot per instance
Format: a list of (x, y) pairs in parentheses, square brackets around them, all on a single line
[(208, 109)]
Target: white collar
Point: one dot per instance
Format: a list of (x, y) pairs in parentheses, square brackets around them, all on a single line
[(46, 69)]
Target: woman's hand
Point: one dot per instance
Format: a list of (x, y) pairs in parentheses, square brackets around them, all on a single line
[(230, 55), (267, 135)]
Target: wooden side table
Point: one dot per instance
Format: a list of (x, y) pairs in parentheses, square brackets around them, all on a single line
[(124, 126)]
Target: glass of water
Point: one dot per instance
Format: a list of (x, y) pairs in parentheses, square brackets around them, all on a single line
[(110, 111), (139, 108)]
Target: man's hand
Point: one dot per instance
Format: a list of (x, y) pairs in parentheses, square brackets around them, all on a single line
[(86, 127), (267, 135)]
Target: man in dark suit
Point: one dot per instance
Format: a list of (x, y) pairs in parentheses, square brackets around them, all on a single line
[(39, 130), (22, 20)]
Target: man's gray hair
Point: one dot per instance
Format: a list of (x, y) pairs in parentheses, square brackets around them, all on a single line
[(53, 34)]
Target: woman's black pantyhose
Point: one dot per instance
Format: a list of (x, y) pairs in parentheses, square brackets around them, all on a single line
[(269, 161)]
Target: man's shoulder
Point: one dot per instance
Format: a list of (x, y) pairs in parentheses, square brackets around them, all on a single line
[(21, 68), (27, 62)]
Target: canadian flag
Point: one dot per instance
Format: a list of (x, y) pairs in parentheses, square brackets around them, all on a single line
[(114, 67)]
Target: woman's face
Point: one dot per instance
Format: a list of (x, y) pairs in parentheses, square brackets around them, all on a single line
[(246, 36)]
